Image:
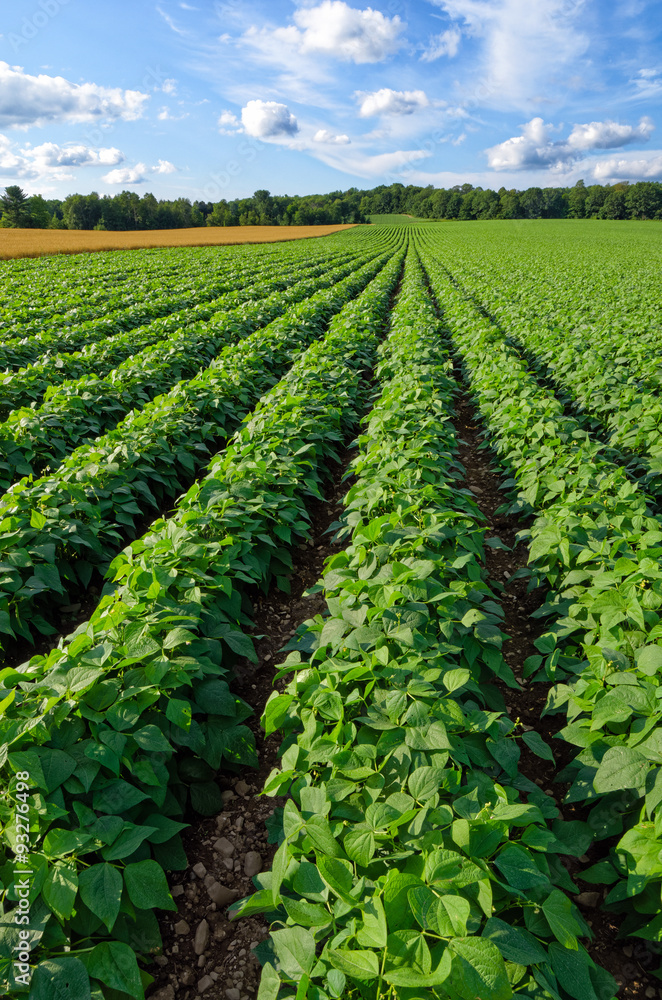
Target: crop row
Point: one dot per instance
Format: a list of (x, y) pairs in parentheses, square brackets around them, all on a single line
[(133, 714), (57, 531), (153, 289), (249, 282), (596, 546), (35, 439), (29, 385), (409, 863)]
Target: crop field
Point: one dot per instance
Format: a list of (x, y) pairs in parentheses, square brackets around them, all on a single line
[(37, 242), (331, 617)]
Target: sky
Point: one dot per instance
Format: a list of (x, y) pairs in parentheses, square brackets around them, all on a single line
[(213, 99)]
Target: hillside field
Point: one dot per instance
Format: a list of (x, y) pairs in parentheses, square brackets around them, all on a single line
[(331, 615)]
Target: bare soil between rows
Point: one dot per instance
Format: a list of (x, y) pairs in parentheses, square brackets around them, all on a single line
[(205, 955), (39, 242)]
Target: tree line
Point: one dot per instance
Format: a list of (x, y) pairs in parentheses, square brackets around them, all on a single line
[(129, 211)]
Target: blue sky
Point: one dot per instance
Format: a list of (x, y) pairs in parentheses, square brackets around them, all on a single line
[(213, 99)]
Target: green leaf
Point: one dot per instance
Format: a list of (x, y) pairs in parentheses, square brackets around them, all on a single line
[(59, 890), (60, 979), (360, 965), (100, 888), (147, 886), (151, 738), (621, 768), (270, 984), (445, 915), (306, 914), (179, 713), (560, 917), (127, 842), (537, 745), (116, 966), (519, 869), (295, 948), (514, 943), (479, 969), (337, 876), (360, 846)]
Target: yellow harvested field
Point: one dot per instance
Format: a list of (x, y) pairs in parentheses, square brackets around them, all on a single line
[(35, 242)]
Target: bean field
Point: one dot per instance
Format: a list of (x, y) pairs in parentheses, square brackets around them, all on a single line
[(331, 617)]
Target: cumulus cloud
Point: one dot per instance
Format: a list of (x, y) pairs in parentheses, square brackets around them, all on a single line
[(392, 102), (335, 29), (138, 174), (166, 115), (323, 135), (612, 170), (228, 123), (49, 160), (527, 48), (164, 167), (169, 87), (535, 149), (445, 44), (268, 120), (38, 100)]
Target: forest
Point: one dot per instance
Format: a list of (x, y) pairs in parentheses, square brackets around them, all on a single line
[(130, 211)]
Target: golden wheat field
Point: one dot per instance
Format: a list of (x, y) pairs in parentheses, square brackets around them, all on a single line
[(35, 242)]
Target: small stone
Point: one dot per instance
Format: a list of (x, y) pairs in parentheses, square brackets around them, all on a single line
[(161, 960), (627, 950), (224, 847), (475, 489), (651, 992), (201, 937), (176, 890), (186, 977), (241, 788), (239, 823), (229, 864), (538, 781), (200, 869), (201, 962), (252, 864), (233, 994), (588, 898), (205, 983), (174, 950), (167, 993), (584, 859), (227, 796), (220, 894), (214, 975), (209, 880), (181, 927)]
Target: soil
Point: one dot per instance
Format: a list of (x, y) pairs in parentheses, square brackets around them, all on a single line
[(630, 961), (228, 961), (37, 242)]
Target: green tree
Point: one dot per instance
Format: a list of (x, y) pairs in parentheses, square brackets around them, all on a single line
[(40, 216), (15, 206)]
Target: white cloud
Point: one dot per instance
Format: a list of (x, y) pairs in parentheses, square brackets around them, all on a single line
[(49, 155), (609, 135), (530, 48), (392, 102), (334, 29), (170, 22), (169, 87), (51, 161), (613, 170), (38, 100), (268, 120), (445, 44), (166, 115), (127, 175), (647, 83), (323, 135), (228, 123), (365, 165), (535, 149), (139, 173)]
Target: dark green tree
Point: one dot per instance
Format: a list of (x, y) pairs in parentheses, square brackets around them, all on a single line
[(15, 206)]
